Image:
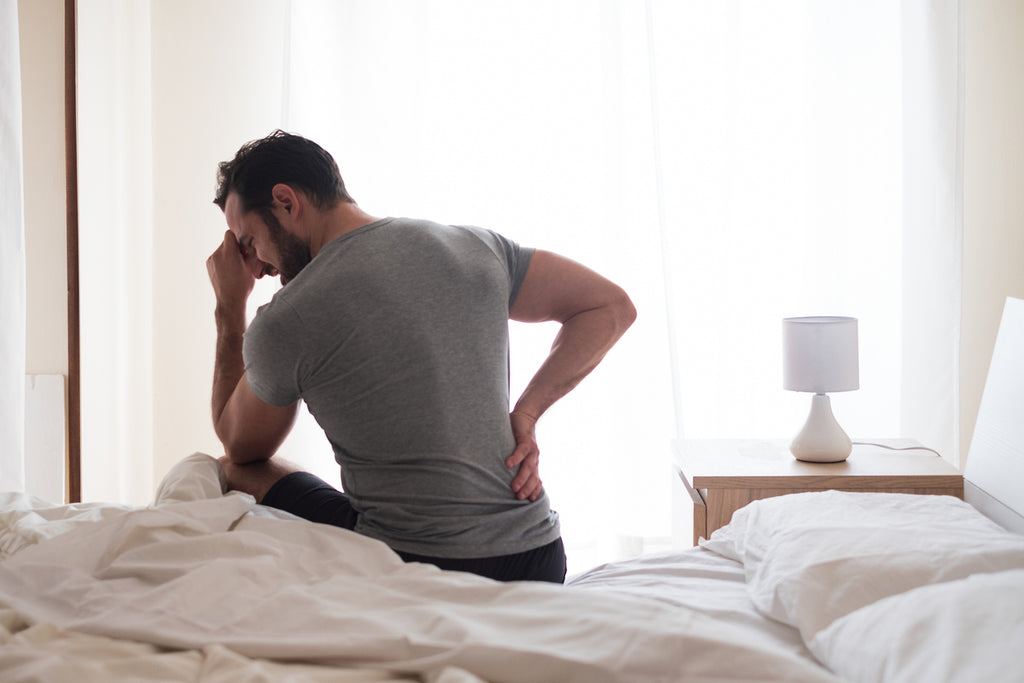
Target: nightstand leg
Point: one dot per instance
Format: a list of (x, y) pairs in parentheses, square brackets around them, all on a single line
[(700, 522)]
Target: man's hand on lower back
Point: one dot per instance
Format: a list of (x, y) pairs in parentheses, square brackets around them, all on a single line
[(526, 456)]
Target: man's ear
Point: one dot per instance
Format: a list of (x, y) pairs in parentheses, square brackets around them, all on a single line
[(287, 198)]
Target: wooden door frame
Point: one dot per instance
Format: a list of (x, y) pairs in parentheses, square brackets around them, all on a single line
[(74, 403)]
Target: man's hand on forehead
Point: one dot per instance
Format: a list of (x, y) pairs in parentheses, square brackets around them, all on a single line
[(231, 273), (257, 267)]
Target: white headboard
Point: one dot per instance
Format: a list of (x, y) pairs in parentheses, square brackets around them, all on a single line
[(994, 475)]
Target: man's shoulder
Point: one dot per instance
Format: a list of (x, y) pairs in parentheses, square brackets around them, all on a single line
[(278, 314)]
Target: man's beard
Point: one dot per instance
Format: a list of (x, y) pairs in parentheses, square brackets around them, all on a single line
[(292, 253)]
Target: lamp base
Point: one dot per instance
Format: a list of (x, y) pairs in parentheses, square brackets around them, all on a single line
[(821, 439)]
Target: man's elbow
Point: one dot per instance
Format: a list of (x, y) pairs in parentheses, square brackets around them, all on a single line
[(239, 449), (623, 311), (243, 454)]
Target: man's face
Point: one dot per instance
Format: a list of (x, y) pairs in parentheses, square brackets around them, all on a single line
[(267, 246)]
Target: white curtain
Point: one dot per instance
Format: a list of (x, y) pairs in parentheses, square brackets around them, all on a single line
[(12, 258), (810, 158), (116, 234), (728, 163)]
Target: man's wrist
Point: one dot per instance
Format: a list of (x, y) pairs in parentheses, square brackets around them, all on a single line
[(526, 412), (229, 319)]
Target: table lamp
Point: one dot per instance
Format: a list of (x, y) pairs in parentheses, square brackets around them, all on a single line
[(819, 355)]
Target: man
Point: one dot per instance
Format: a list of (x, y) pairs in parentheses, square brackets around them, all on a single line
[(395, 334)]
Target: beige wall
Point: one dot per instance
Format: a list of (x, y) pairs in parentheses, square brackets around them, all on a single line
[(41, 24), (993, 179)]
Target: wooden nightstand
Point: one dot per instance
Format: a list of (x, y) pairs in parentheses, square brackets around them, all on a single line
[(722, 476)]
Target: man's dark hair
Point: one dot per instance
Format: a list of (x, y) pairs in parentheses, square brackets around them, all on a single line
[(280, 158)]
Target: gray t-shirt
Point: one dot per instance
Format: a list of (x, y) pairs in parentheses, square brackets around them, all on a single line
[(396, 337)]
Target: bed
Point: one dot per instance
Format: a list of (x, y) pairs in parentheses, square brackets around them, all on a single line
[(205, 586), (826, 586)]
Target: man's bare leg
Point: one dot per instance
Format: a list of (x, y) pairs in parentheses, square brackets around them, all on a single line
[(256, 478)]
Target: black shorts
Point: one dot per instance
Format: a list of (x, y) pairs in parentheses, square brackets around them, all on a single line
[(310, 497)]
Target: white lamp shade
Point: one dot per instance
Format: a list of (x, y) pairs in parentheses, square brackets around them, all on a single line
[(819, 354)]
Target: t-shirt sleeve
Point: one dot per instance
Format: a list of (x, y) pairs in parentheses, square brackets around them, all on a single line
[(514, 257), (271, 350)]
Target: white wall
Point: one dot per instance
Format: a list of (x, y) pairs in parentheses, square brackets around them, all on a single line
[(993, 178)]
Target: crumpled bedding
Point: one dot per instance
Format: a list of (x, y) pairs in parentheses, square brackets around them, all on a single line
[(205, 585), (212, 587)]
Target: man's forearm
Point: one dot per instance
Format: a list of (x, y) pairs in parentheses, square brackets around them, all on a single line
[(228, 366), (249, 428), (579, 347), (593, 312)]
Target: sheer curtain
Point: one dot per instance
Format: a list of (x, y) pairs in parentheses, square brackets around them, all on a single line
[(728, 163), (116, 258), (810, 165), (12, 258), (533, 119)]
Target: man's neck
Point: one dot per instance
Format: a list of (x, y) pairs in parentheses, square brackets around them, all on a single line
[(343, 218)]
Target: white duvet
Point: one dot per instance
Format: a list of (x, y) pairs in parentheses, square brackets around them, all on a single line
[(201, 585)]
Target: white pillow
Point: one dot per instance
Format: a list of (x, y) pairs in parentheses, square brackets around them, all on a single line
[(811, 558), (963, 631), (197, 477)]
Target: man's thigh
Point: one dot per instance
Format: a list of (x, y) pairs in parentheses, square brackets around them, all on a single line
[(310, 497), (546, 563)]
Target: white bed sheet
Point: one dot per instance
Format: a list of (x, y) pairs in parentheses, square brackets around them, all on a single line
[(699, 580), (232, 584)]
